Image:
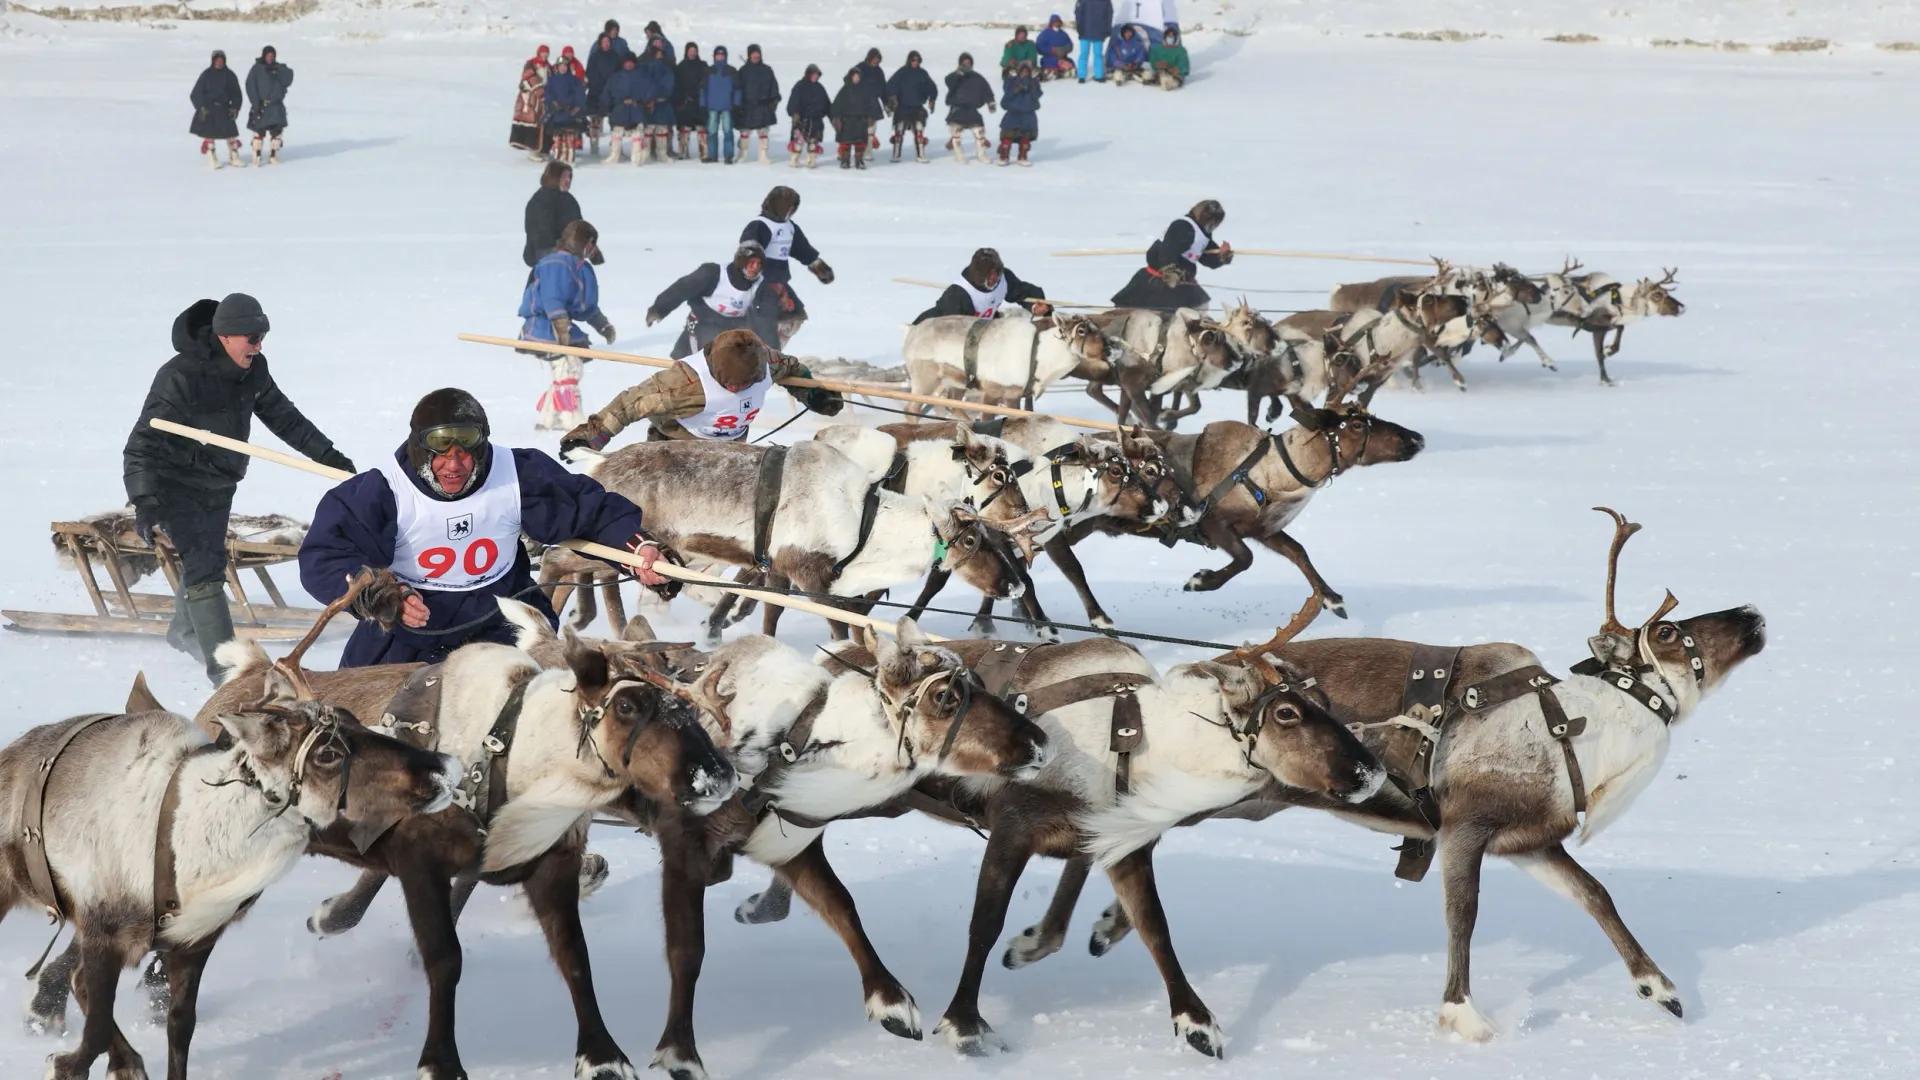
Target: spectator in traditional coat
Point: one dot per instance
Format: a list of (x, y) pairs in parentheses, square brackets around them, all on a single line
[(873, 83), (1093, 21), (1168, 61), (656, 99), (566, 107), (854, 113), (1019, 112), (621, 102), (984, 289), (784, 243), (719, 299), (720, 97), (551, 209), (561, 293), (529, 107), (1167, 282), (608, 52), (440, 520), (611, 31), (967, 91), (216, 103), (267, 86), (807, 108), (1018, 51), (911, 94), (689, 116), (759, 107), (1056, 50), (1127, 56), (654, 33)]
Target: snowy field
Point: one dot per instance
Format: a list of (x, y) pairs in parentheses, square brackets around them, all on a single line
[(1764, 439)]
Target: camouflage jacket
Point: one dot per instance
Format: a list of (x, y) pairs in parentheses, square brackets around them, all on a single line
[(674, 394)]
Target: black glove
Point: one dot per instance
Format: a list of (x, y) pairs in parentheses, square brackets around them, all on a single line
[(146, 518), (825, 402), (588, 436), (822, 271), (333, 458), (382, 599)]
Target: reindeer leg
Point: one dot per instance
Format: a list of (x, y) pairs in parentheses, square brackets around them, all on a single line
[(587, 609), (1600, 354), (1043, 939), (887, 1000), (1618, 333), (1526, 336), (616, 608), (553, 890), (683, 886), (1134, 885), (1110, 929), (1557, 870), (428, 890), (982, 623), (936, 580), (770, 617), (1254, 397), (1446, 357), (1098, 392), (95, 982), (1462, 849), (184, 967), (1060, 550), (341, 913), (1286, 545), (1227, 540), (47, 1012), (1037, 621), (769, 905), (1009, 846)]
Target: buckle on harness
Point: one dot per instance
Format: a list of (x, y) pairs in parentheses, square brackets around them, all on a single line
[(493, 746), (1019, 704)]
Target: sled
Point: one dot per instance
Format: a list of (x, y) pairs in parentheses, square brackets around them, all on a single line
[(118, 609)]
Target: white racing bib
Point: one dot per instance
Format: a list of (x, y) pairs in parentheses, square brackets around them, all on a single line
[(729, 301), (458, 545), (779, 238), (985, 304), (1198, 245), (727, 414)]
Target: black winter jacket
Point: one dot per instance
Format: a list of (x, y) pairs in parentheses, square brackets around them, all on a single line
[(689, 78), (203, 388), (854, 113), (808, 101), (956, 301), (967, 91), (548, 213), (216, 102), (762, 316), (759, 98)]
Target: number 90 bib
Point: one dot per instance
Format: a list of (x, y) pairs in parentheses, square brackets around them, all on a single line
[(458, 545)]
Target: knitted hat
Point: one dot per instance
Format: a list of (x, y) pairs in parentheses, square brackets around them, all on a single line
[(239, 314)]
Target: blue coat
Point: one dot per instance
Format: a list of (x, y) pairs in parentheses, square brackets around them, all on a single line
[(602, 66), (912, 88), (1093, 18), (722, 90), (1050, 41), (356, 524), (566, 99), (620, 99), (1126, 52), (561, 284), (1020, 105), (656, 85)]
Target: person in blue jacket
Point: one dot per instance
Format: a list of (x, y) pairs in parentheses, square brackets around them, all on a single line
[(566, 105), (719, 96), (656, 99), (439, 522), (1056, 50), (1127, 56), (1093, 21), (608, 52), (911, 94), (1019, 112), (621, 103), (562, 292)]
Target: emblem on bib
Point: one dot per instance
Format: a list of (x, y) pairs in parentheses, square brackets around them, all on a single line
[(459, 528)]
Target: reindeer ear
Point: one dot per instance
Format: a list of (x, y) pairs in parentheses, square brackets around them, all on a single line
[(638, 630), (893, 664), (530, 627), (256, 733), (1611, 649), (910, 634), (963, 435), (1315, 419), (587, 662)]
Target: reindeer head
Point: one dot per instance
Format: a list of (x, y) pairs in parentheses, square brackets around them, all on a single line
[(1358, 438), (641, 726), (1085, 340), (1521, 288), (992, 474), (1692, 656), (944, 715), (1127, 472), (1212, 347), (1251, 331), (1650, 297), (976, 548)]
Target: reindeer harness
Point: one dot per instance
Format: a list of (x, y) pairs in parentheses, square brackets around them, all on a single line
[(970, 359), (999, 672)]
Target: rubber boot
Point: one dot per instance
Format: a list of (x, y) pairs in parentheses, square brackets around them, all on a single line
[(980, 143), (212, 623), (1025, 144), (180, 630)]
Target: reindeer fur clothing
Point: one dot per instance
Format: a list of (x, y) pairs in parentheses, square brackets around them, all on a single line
[(356, 525)]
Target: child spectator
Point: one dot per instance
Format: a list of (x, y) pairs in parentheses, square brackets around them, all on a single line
[(807, 107), (1056, 50), (1169, 61), (911, 93), (854, 111), (1020, 112), (689, 82), (967, 90), (759, 103), (1127, 56)]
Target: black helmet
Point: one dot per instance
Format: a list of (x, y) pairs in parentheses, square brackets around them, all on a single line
[(444, 418)]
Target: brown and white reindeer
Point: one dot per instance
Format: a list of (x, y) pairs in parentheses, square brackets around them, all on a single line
[(1521, 761), (1513, 304), (1279, 363), (1009, 360), (813, 747), (1611, 306), (1395, 324), (1181, 353), (149, 837)]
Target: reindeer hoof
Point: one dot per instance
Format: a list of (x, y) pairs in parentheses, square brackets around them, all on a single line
[(609, 1070), (1658, 989), (46, 1023), (763, 908), (593, 873), (1109, 930), (63, 1067), (1029, 947), (47, 1012), (1461, 1018), (982, 626), (1203, 1035), (442, 1072), (677, 1067), (1334, 605), (135, 1071), (901, 1018), (159, 994), (1102, 623), (971, 1038)]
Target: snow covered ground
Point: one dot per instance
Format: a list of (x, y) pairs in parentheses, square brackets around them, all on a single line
[(1764, 440)]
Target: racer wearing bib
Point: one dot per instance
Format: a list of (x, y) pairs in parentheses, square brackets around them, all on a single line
[(441, 522), (720, 299), (785, 242), (1167, 282), (715, 395), (984, 288)]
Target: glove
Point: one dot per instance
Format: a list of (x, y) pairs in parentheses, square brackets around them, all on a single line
[(605, 327), (1226, 254), (652, 317), (823, 401), (562, 331), (335, 459), (822, 271), (590, 436), (670, 588), (146, 519), (380, 602)]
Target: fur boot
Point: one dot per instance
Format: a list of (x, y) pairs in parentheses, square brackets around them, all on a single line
[(559, 407), (920, 145), (1005, 146), (790, 325), (593, 134), (702, 136), (899, 138), (256, 151), (273, 151), (1025, 145), (813, 154), (953, 143), (207, 151), (615, 137), (766, 156), (233, 152), (980, 143), (793, 155), (846, 155), (860, 156)]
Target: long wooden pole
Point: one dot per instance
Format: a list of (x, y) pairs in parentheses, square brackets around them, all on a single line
[(1049, 300), (863, 389), (1261, 251), (585, 547)]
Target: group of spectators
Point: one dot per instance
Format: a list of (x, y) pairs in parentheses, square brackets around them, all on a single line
[(711, 110)]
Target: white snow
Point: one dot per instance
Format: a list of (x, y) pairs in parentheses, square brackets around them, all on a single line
[(1764, 439)]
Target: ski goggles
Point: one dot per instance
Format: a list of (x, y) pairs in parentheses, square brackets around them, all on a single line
[(440, 440)]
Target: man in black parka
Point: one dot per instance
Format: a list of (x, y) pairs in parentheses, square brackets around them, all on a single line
[(216, 102), (218, 380)]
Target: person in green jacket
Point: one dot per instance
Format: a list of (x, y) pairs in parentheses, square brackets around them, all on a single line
[(1018, 51), (1168, 61)]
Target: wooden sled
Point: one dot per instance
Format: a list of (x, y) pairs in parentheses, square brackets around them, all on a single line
[(120, 610)]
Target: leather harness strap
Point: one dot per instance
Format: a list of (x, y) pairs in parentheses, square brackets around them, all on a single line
[(991, 427), (166, 881), (484, 787), (1626, 680), (1534, 679), (1033, 371), (1054, 458), (970, 351), (795, 743), (895, 481), (766, 499), (1124, 729), (34, 815), (1242, 474)]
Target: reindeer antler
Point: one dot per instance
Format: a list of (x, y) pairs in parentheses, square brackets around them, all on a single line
[(1254, 655), (1669, 279), (289, 665), (1623, 530), (1572, 264)]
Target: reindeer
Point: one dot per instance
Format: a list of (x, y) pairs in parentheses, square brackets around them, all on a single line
[(1611, 306), (1516, 767), (231, 820), (1513, 304), (701, 499), (1014, 357), (1179, 352), (1396, 323), (1280, 362)]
